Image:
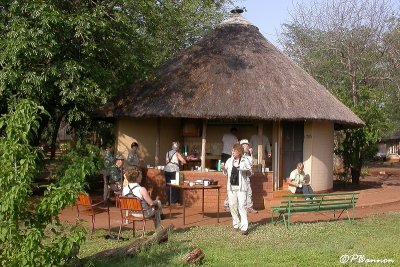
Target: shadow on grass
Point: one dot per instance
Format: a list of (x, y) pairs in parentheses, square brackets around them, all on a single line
[(262, 223)]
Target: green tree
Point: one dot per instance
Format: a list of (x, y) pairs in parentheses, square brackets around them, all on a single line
[(30, 231), (392, 43), (72, 56), (341, 43)]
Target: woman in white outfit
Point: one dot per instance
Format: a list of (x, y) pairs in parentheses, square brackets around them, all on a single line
[(238, 168)]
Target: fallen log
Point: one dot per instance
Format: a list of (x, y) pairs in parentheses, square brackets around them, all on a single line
[(195, 256), (131, 249)]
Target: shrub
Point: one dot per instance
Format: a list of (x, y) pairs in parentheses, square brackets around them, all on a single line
[(30, 231)]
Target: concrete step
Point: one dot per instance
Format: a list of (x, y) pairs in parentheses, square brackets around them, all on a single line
[(274, 198), (280, 193), (277, 194), (273, 202)]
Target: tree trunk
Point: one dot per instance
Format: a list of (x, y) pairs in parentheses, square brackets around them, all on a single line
[(354, 88), (355, 175), (54, 135), (44, 122)]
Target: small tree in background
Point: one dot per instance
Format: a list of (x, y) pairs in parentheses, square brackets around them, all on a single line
[(30, 231), (351, 48), (356, 146)]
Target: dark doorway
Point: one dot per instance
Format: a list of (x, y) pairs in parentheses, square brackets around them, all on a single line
[(292, 146)]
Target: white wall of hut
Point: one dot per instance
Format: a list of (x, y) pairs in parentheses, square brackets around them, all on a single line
[(318, 154)]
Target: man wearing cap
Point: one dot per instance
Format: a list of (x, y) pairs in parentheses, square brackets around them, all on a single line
[(248, 154), (116, 172)]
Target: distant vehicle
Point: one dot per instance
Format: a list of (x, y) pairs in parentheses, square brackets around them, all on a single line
[(380, 156)]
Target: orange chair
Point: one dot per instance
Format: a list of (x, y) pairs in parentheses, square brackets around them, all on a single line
[(127, 206), (117, 195), (84, 205)]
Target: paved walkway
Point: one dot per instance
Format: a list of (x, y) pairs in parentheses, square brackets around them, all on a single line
[(379, 193)]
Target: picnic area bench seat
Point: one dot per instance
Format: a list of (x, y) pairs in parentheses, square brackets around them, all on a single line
[(322, 202)]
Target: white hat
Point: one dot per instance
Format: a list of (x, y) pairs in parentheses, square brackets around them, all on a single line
[(244, 141)]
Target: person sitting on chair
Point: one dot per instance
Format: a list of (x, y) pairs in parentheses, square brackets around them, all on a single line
[(297, 183), (151, 208)]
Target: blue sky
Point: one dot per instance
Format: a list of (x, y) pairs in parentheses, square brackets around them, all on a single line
[(267, 15)]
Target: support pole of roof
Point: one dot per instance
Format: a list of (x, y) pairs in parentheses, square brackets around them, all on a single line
[(260, 146), (203, 145), (157, 155), (279, 169)]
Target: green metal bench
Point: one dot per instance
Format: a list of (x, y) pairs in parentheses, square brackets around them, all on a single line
[(322, 202)]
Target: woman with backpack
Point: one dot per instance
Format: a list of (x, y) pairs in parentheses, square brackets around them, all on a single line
[(172, 160), (151, 208)]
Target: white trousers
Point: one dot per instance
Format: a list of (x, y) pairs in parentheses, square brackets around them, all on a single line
[(249, 197), (237, 205)]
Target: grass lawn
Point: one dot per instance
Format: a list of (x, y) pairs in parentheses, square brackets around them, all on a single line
[(304, 244)]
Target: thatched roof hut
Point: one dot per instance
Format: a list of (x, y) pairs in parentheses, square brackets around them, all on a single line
[(233, 73)]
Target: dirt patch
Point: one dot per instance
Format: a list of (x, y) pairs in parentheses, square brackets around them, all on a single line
[(368, 211), (379, 189)]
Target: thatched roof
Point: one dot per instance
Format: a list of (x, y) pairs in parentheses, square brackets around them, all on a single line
[(232, 73), (393, 137)]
